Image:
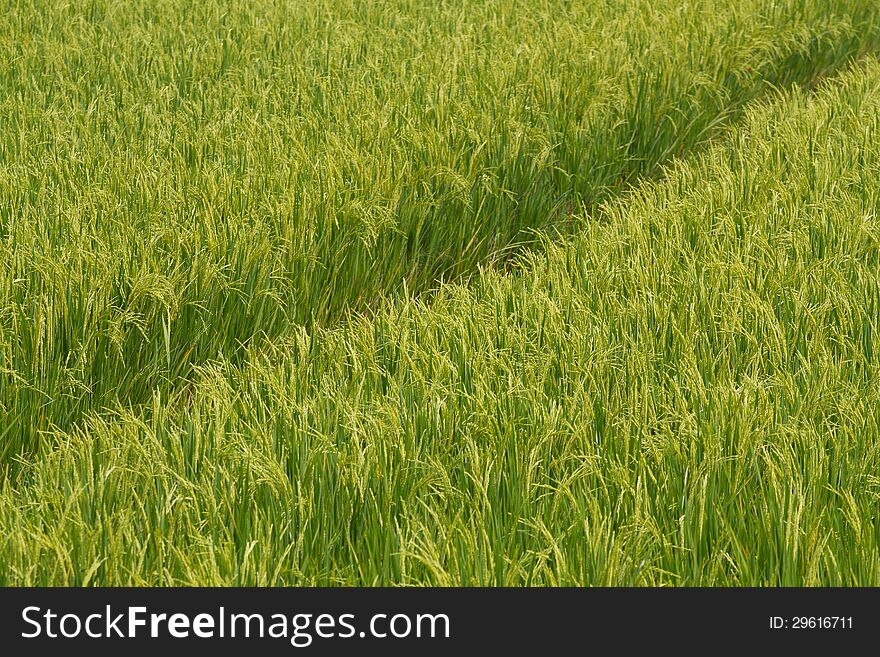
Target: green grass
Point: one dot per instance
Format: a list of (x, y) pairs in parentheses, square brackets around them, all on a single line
[(684, 392), (182, 180)]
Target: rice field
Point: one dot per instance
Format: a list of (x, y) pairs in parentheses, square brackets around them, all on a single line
[(489, 292)]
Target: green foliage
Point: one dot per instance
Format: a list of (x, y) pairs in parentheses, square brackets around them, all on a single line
[(684, 392), (182, 180)]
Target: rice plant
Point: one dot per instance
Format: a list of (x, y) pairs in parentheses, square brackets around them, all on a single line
[(684, 392), (180, 181)]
